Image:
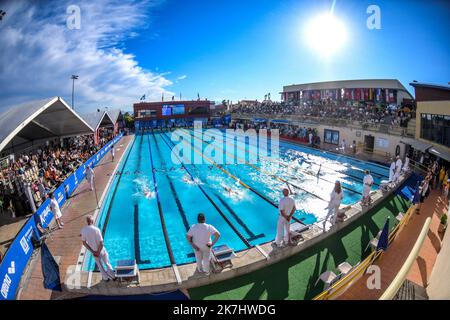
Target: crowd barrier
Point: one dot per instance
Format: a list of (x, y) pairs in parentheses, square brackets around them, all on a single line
[(21, 249)]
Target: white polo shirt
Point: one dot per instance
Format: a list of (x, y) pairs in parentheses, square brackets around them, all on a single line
[(92, 235), (368, 180), (286, 204), (398, 165), (201, 233)]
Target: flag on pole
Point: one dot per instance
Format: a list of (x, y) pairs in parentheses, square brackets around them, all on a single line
[(383, 241)]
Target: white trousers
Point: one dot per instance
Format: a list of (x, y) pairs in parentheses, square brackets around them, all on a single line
[(396, 176), (104, 265), (282, 231), (332, 211), (203, 258), (366, 192), (91, 182)]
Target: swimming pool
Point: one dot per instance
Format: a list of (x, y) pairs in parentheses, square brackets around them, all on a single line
[(152, 202)]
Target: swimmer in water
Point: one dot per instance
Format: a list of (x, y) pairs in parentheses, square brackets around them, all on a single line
[(230, 191), (147, 194)]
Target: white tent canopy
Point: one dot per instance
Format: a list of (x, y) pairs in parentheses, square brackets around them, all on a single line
[(23, 125), (98, 119)]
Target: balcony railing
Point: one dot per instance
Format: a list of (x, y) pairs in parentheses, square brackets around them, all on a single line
[(354, 124)]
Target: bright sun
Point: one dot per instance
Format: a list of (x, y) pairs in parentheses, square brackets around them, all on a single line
[(325, 34)]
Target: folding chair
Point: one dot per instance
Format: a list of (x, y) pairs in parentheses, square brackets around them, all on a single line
[(328, 277), (399, 217), (374, 242)]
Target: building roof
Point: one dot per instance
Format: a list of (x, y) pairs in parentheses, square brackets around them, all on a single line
[(350, 84), (115, 115), (98, 118), (37, 120), (430, 85)]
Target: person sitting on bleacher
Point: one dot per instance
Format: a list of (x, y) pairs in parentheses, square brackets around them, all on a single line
[(199, 236)]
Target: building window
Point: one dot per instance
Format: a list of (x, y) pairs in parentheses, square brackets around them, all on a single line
[(146, 114), (435, 128), (331, 136)]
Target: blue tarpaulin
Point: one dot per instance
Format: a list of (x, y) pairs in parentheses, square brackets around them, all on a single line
[(50, 270), (408, 189)]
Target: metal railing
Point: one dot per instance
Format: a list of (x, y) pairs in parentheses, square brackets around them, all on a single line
[(338, 122)]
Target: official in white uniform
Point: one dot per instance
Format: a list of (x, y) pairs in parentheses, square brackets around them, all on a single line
[(90, 176), (398, 169), (392, 171), (54, 207), (113, 152), (286, 209), (93, 241), (367, 185), (199, 236), (336, 197), (406, 165)]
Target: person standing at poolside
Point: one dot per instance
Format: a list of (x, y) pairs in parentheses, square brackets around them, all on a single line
[(336, 197), (392, 170), (113, 152), (54, 207), (90, 176), (199, 236), (398, 169), (367, 185), (286, 210), (93, 241)]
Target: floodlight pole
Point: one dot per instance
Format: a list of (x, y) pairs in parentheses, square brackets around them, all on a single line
[(74, 77)]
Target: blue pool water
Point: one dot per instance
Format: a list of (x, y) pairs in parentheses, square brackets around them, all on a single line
[(238, 199)]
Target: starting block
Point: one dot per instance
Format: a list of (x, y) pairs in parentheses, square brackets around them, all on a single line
[(296, 229), (127, 270), (385, 185), (222, 256)]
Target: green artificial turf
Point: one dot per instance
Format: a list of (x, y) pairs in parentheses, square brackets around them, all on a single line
[(294, 277)]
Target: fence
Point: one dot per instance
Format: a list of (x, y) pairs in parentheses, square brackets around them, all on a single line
[(19, 253)]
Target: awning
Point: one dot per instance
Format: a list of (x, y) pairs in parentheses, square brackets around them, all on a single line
[(440, 152), (418, 145), (22, 125)]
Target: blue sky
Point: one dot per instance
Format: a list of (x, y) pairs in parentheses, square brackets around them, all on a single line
[(222, 49)]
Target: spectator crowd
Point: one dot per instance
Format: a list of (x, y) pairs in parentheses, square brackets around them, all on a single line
[(43, 169), (362, 112)]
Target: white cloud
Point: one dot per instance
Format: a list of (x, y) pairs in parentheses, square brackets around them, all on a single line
[(39, 54), (182, 77)]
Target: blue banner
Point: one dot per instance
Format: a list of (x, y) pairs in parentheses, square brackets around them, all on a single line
[(18, 254)]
